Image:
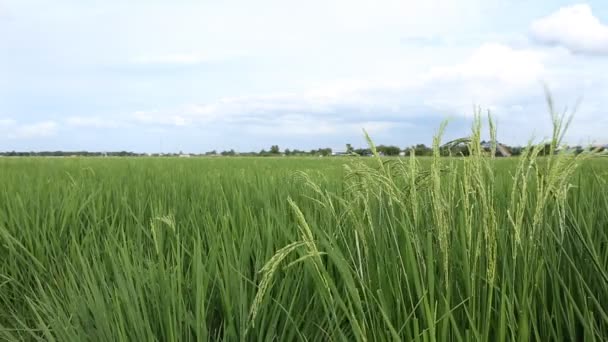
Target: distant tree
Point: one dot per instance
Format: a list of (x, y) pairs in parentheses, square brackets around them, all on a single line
[(363, 151), (516, 150), (321, 152), (388, 150), (422, 150), (274, 149), (287, 152)]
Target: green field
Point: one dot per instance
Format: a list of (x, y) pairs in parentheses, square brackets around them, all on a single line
[(317, 249)]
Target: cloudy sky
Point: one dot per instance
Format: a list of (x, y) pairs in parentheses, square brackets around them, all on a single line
[(186, 75)]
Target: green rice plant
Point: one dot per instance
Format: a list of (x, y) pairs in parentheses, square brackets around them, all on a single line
[(473, 248)]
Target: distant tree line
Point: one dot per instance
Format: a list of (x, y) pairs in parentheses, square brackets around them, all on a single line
[(384, 150), (71, 154)]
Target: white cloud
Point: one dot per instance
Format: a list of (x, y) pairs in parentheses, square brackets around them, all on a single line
[(92, 121), (575, 28), (11, 129), (173, 59), (504, 79), (494, 76), (495, 62), (39, 129), (157, 117), (7, 122), (289, 127), (271, 109), (342, 108), (271, 45)]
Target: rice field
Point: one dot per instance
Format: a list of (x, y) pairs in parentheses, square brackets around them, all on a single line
[(305, 249)]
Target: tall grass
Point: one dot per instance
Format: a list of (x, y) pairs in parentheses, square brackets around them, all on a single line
[(362, 249)]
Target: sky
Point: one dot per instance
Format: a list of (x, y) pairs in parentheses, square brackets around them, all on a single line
[(194, 76)]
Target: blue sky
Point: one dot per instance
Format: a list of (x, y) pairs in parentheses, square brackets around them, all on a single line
[(186, 75)]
